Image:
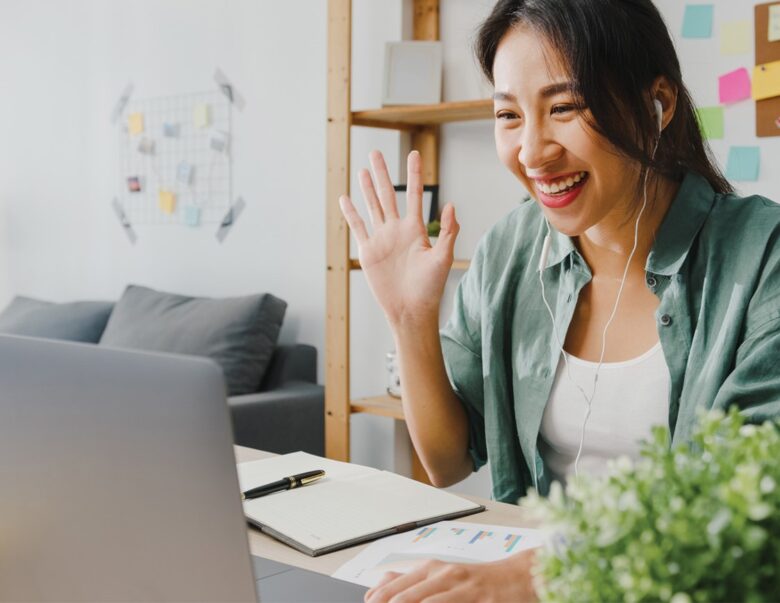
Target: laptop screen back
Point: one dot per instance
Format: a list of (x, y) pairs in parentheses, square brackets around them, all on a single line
[(119, 477)]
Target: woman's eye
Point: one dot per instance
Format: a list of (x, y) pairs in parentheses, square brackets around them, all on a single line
[(559, 109), (506, 115)]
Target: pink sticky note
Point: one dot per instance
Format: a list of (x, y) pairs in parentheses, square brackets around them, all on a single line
[(734, 86)]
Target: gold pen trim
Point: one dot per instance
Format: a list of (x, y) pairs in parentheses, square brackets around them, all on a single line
[(313, 478)]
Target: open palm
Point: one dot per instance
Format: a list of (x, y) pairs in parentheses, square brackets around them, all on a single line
[(405, 273)]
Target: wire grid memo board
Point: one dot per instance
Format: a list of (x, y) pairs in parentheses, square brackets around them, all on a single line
[(174, 159)]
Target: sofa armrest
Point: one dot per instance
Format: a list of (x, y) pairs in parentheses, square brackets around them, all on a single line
[(296, 362), (287, 419)]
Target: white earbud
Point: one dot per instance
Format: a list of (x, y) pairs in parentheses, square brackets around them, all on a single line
[(659, 114), (545, 251)]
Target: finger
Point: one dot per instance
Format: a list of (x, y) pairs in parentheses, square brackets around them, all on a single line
[(449, 231), (388, 577), (387, 591), (356, 224), (372, 201), (384, 185), (455, 595), (414, 186), (433, 586)]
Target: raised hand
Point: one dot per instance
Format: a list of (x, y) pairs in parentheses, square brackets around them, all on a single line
[(405, 274)]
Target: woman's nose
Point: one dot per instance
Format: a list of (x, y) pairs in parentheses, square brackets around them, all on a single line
[(536, 146)]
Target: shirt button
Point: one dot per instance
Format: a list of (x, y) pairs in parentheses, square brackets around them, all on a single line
[(651, 282), (666, 320)]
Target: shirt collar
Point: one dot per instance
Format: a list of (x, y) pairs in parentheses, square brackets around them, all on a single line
[(682, 223), (674, 238), (561, 246)]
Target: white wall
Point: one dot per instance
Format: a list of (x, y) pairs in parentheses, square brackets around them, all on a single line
[(63, 64)]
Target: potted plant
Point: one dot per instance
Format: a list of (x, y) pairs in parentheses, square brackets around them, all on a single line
[(684, 524)]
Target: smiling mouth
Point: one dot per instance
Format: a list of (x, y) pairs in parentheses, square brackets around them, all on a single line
[(561, 187)]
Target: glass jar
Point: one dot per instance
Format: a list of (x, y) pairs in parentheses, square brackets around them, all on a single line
[(393, 374)]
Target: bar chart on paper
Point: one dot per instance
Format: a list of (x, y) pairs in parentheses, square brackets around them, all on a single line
[(448, 541)]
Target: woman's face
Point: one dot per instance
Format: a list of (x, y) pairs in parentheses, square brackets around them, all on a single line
[(542, 137)]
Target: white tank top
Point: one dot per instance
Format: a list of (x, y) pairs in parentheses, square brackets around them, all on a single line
[(631, 397)]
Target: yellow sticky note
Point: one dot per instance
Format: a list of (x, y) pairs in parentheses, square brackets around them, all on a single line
[(774, 23), (135, 123), (766, 80), (167, 201), (201, 115), (735, 38)]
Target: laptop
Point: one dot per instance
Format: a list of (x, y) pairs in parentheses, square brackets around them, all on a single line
[(119, 482)]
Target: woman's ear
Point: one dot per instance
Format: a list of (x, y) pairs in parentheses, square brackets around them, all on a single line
[(665, 93)]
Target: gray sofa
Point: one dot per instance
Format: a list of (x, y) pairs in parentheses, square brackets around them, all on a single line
[(287, 412), (273, 395)]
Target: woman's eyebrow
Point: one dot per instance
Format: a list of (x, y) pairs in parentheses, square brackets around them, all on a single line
[(546, 92)]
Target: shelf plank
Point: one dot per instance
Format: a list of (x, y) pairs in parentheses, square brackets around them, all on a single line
[(384, 406), (354, 264), (409, 117)]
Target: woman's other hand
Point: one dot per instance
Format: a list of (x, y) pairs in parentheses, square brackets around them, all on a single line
[(439, 582), (405, 274)]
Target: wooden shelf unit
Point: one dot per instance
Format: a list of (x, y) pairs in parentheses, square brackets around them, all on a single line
[(422, 123), (418, 116)]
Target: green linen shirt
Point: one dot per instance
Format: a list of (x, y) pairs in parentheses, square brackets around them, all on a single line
[(715, 267)]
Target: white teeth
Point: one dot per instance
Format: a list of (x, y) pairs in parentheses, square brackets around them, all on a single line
[(563, 185)]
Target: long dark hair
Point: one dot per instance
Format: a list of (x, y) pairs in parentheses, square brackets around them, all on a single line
[(614, 50)]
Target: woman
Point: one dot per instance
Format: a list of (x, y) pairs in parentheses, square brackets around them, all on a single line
[(633, 289)]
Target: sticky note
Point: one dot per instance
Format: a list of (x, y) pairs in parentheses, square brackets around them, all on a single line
[(184, 172), (146, 146), (697, 21), (219, 141), (743, 164), (774, 23), (170, 130), (134, 184), (167, 202), (735, 37), (135, 123), (192, 215), (766, 80), (711, 122), (734, 86), (201, 116)]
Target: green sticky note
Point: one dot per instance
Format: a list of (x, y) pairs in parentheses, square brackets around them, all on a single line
[(697, 22), (743, 164), (711, 122)]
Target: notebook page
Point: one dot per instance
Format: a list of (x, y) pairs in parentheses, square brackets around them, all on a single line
[(352, 506), (265, 471)]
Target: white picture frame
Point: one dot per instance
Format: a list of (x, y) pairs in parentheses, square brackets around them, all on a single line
[(413, 73), (429, 201)]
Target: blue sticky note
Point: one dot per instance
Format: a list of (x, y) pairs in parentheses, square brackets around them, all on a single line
[(743, 164), (184, 172), (192, 215), (697, 22)]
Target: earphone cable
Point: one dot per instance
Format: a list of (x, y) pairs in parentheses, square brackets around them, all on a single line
[(589, 399)]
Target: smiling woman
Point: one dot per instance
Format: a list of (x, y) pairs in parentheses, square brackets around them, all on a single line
[(633, 256)]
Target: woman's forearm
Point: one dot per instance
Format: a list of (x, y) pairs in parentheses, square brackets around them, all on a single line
[(436, 419)]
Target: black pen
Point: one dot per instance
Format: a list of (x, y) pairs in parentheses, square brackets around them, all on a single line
[(286, 483)]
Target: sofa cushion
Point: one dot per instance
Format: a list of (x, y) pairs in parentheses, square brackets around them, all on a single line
[(82, 321), (238, 333)]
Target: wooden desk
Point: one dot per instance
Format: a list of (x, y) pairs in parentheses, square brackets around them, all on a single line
[(265, 546)]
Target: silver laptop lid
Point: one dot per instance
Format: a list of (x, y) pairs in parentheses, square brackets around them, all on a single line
[(118, 477)]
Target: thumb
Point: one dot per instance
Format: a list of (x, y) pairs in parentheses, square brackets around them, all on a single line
[(449, 230)]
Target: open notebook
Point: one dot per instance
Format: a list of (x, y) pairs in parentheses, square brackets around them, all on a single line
[(350, 505)]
